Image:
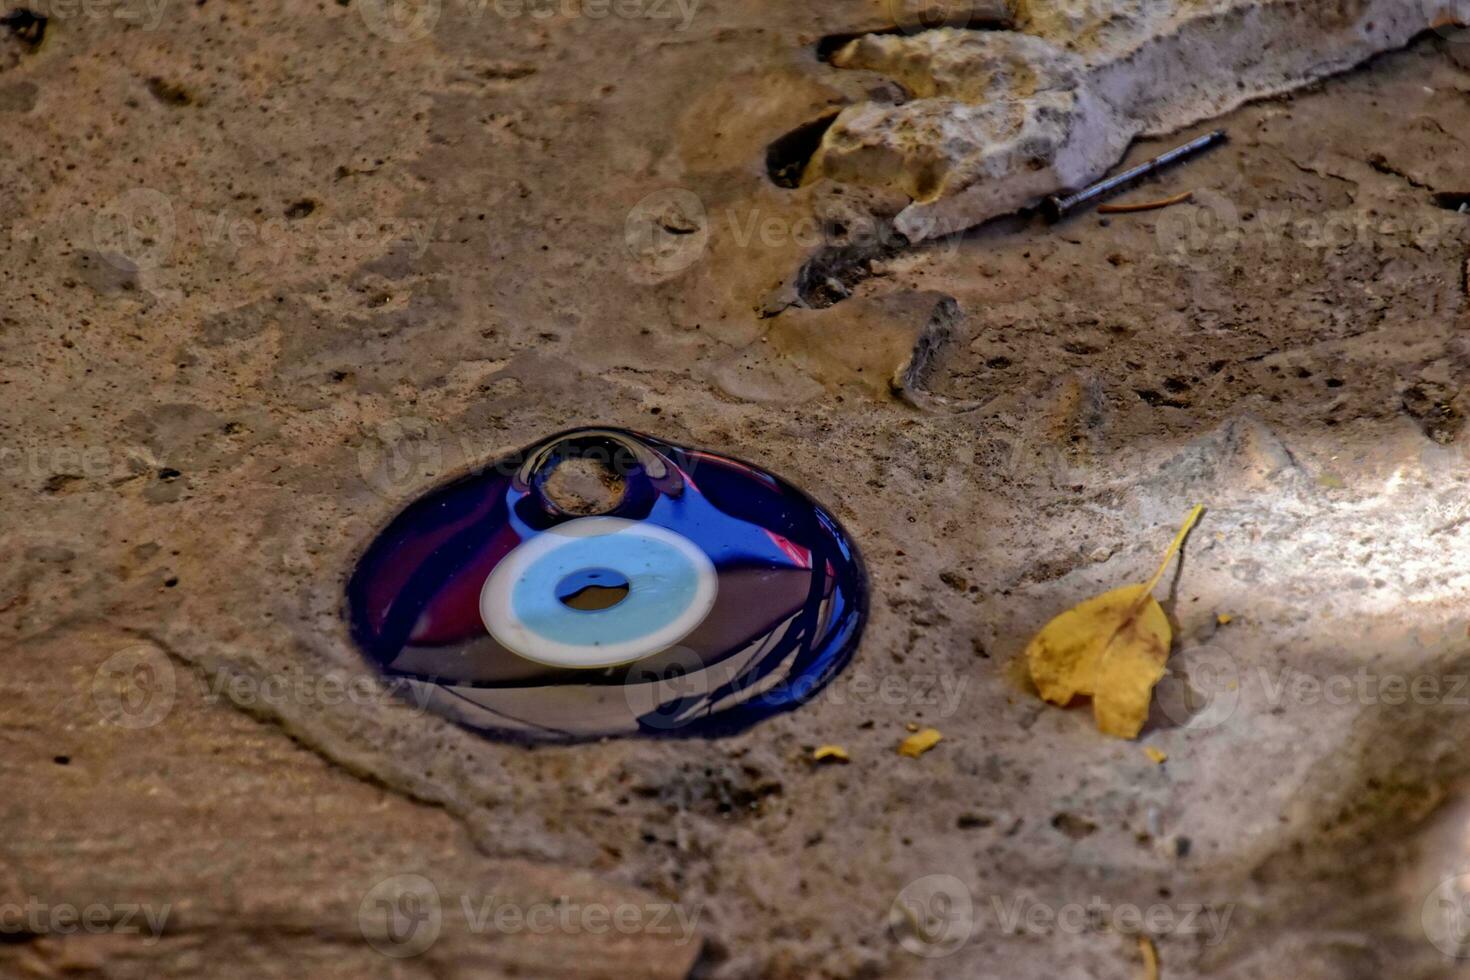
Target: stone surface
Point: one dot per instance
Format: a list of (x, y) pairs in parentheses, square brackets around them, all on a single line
[(992, 121), (214, 396)]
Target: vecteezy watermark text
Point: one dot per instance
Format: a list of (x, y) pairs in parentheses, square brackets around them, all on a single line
[(137, 687), (143, 227), (403, 915), (145, 14), (671, 230), (936, 915), (35, 917), (1026, 916), (670, 690), (1365, 687), (403, 21)]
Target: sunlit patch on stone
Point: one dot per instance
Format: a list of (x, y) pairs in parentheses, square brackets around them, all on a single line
[(705, 595)]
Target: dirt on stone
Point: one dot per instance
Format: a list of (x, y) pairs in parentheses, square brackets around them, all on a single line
[(215, 397)]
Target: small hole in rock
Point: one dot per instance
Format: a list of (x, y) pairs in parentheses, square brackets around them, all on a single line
[(27, 25), (169, 93), (787, 156), (1453, 200)]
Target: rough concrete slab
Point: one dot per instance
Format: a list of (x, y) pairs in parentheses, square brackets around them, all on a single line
[(215, 395)]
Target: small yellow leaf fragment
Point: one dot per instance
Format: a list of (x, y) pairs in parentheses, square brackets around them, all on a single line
[(1158, 755), (1224, 619), (829, 753), (1111, 647), (920, 742), (911, 727), (1150, 955)]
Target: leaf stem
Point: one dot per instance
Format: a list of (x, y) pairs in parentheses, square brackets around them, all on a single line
[(1174, 547)]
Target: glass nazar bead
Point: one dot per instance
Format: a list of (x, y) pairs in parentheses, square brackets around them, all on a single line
[(697, 596)]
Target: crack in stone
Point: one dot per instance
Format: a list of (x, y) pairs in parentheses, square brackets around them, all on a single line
[(1380, 163)]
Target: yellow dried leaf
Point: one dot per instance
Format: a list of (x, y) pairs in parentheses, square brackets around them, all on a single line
[(1150, 955), (920, 742), (1224, 619), (1112, 647), (834, 752), (1157, 755)]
